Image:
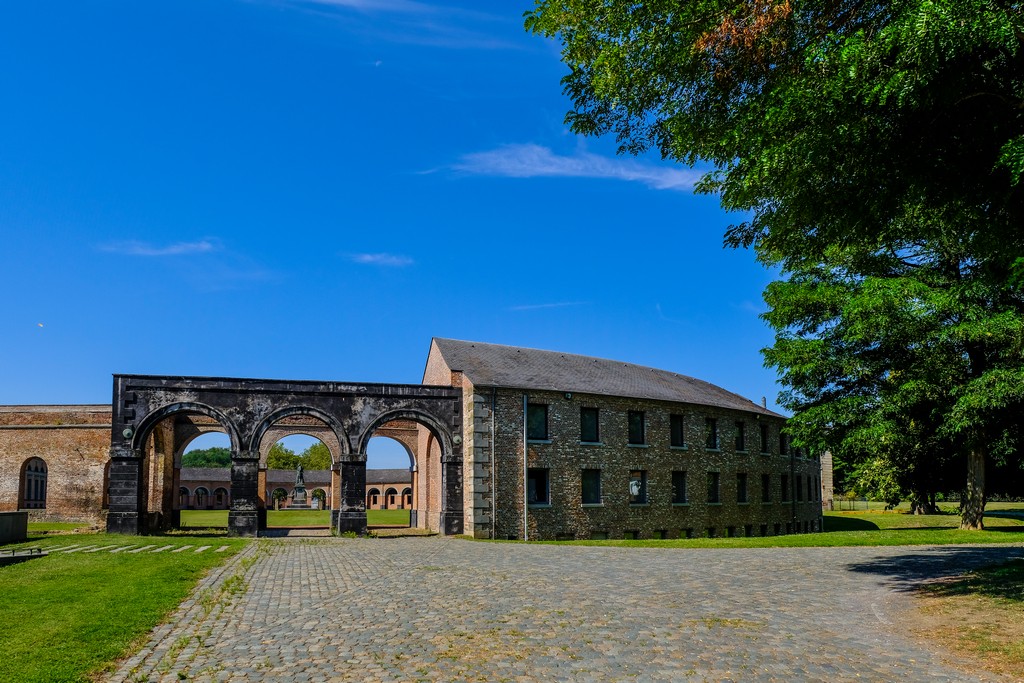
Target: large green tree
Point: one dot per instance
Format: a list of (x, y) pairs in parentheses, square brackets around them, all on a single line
[(317, 457), (280, 457), (873, 153), (215, 456)]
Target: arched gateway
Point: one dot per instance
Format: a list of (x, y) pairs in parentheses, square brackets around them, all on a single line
[(246, 409)]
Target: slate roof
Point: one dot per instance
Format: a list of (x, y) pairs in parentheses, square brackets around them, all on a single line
[(388, 476), (311, 477), (487, 365)]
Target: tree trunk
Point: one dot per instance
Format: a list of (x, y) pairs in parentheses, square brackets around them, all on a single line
[(972, 506)]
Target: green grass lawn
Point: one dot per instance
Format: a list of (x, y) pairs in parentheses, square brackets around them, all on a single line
[(863, 528), (69, 617), (290, 518), (36, 527)]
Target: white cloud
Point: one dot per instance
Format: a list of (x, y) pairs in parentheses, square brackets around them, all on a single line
[(533, 161), (537, 307), (383, 259), (136, 248)]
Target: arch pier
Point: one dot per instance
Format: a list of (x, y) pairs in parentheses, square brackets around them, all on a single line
[(148, 410)]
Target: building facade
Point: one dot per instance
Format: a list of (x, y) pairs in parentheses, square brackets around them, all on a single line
[(572, 447), (553, 446)]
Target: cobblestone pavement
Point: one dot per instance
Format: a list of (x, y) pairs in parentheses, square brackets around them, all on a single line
[(436, 609)]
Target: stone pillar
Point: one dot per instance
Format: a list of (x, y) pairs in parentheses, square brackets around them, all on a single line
[(351, 514), (451, 512), (261, 493), (243, 517), (175, 516), (335, 488), (125, 483)]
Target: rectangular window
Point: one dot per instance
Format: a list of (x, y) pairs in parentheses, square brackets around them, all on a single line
[(766, 488), (799, 490), (636, 427), (783, 444), (537, 422), (537, 486), (677, 428), (637, 487), (785, 488), (765, 445), (589, 425), (741, 436), (714, 487), (810, 489), (679, 487), (591, 480), (711, 433), (741, 487)]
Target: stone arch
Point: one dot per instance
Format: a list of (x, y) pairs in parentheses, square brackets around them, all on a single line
[(202, 497), (431, 423), (221, 498), (308, 411), (32, 484), (277, 495), (320, 495), (184, 497), (150, 421)]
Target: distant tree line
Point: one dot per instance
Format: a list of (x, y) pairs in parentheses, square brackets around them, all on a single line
[(316, 457)]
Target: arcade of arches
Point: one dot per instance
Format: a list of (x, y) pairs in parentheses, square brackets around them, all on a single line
[(155, 418)]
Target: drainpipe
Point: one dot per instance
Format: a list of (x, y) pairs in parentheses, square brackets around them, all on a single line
[(526, 484), (494, 462), (792, 481)]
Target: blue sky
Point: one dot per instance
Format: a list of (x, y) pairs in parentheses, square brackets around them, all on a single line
[(312, 190)]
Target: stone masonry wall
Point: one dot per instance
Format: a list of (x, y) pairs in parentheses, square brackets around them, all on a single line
[(74, 441), (565, 457)]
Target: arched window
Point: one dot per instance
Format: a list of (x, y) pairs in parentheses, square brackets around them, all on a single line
[(33, 484), (407, 497), (220, 499), (373, 499), (278, 496), (320, 498), (389, 499), (183, 494), (202, 497)]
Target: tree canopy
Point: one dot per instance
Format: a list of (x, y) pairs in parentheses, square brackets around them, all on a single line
[(216, 456), (873, 153), (316, 457)]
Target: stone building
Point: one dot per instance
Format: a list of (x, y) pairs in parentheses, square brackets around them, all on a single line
[(561, 446), (503, 442)]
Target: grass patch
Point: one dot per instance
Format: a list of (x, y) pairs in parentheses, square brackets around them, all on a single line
[(980, 616), (387, 517), (872, 528), (290, 518), (69, 617), (42, 527)]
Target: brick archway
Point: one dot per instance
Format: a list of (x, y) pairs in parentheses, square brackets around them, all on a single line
[(245, 407)]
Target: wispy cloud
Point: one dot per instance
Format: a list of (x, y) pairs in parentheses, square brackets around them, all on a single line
[(136, 248), (534, 161), (382, 259), (537, 307), (412, 22)]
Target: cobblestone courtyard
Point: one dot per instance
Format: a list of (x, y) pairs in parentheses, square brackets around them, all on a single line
[(437, 609)]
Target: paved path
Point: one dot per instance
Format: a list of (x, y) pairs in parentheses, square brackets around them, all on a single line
[(436, 609)]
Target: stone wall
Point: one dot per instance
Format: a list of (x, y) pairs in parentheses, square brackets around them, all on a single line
[(564, 457), (73, 441)]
